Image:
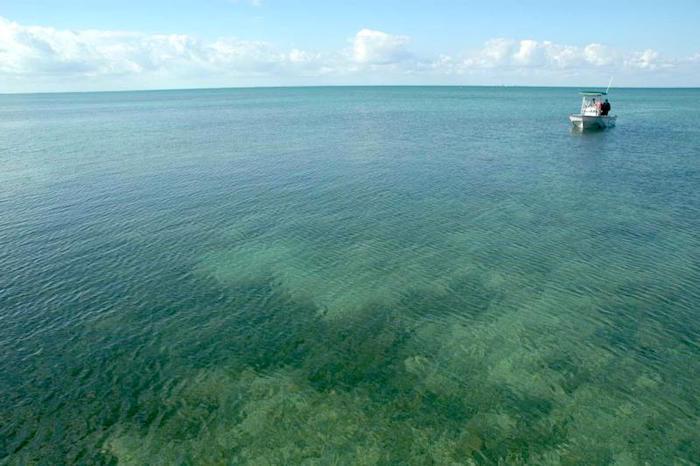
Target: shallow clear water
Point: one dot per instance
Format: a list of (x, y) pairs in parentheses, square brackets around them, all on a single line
[(349, 275)]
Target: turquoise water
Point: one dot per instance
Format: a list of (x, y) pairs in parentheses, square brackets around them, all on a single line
[(349, 276)]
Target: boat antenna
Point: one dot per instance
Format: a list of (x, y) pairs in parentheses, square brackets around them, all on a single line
[(609, 84)]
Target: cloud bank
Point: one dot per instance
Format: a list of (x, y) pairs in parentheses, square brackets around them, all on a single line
[(379, 48), (38, 58)]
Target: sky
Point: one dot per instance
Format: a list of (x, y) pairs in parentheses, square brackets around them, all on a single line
[(90, 45)]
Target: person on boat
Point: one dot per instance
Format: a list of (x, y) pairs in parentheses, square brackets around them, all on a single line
[(592, 105), (599, 108), (605, 108)]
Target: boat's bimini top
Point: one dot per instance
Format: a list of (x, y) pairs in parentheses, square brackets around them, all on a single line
[(593, 93)]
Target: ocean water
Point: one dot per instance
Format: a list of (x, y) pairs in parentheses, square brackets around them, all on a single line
[(349, 276)]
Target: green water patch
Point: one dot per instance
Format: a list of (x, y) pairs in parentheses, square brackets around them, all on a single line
[(338, 279), (527, 344), (260, 358), (511, 385)]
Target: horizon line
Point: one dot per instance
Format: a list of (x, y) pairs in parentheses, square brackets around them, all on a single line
[(312, 86)]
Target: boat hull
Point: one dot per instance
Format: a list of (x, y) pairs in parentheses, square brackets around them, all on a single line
[(586, 122)]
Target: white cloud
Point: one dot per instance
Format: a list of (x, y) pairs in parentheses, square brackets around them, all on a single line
[(648, 60), (496, 52), (512, 55), (530, 53), (599, 54), (379, 48), (41, 51), (45, 51), (45, 58)]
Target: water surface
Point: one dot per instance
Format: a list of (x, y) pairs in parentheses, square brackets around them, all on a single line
[(349, 275)]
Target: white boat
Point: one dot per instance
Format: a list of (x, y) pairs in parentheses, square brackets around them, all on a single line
[(591, 115)]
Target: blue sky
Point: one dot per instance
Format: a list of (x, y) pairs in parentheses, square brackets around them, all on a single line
[(50, 45)]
